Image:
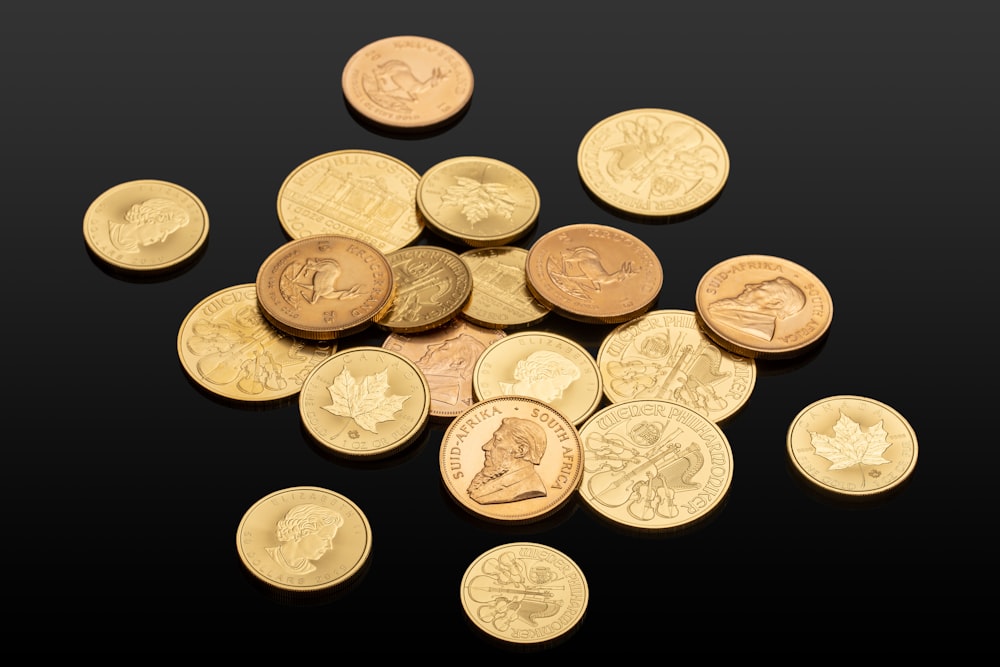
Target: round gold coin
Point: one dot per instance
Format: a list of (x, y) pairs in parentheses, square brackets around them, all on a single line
[(511, 459), (763, 306), (852, 446), (525, 593), (362, 194), (324, 287), (432, 286), (594, 273), (304, 539), (229, 349), (549, 367), (365, 402), (654, 465), (407, 82), (653, 163), (665, 355), (146, 226), (500, 295), (478, 201)]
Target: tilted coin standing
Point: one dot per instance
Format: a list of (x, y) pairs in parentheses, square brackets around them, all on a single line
[(852, 446), (146, 226), (432, 286), (500, 295), (653, 163)]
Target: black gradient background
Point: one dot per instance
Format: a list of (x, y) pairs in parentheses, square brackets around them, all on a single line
[(863, 146)]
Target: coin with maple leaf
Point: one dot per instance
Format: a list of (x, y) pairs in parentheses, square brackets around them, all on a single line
[(852, 445)]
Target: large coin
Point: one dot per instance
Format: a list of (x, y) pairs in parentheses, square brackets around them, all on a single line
[(500, 295), (432, 286), (653, 163)]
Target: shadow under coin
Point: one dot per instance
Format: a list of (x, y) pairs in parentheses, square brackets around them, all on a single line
[(249, 406), (307, 598), (146, 277), (844, 501), (392, 132), (674, 532), (394, 458), (650, 219)]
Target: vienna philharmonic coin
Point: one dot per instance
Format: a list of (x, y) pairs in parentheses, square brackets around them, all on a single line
[(146, 226), (365, 402), (594, 273), (324, 287), (653, 162), (432, 286), (511, 459), (357, 193), (407, 82), (852, 446), (304, 539), (228, 348), (654, 465), (478, 201), (763, 307), (500, 295), (525, 593), (665, 355)]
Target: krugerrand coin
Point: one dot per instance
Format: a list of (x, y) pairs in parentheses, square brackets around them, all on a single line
[(432, 286), (146, 226), (763, 306), (365, 402), (324, 287), (594, 273), (357, 193), (653, 163), (500, 295), (665, 355), (852, 446), (304, 539), (229, 349), (552, 368), (447, 355), (408, 82), (525, 593), (478, 201), (511, 459)]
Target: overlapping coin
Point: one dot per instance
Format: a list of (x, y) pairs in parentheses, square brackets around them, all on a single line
[(500, 296), (433, 284)]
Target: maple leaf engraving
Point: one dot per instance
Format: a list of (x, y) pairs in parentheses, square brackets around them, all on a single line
[(850, 446), (477, 199), (366, 403)]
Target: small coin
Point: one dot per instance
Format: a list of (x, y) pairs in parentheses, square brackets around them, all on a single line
[(447, 356), (478, 201), (525, 593), (665, 355), (228, 348), (304, 539), (362, 194), (146, 226), (432, 286), (594, 273), (653, 163), (324, 287), (852, 446), (511, 459), (407, 82), (549, 367), (654, 465), (365, 402), (763, 306), (500, 295)]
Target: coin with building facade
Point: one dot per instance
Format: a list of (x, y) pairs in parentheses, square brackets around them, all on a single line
[(433, 284), (500, 295)]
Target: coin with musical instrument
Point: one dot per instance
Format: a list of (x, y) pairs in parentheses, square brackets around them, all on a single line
[(525, 594), (500, 295), (432, 286), (228, 348), (654, 465)]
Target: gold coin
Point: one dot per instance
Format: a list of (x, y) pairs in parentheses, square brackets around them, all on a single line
[(478, 201), (525, 593), (228, 348), (665, 355), (432, 286), (763, 306), (551, 368), (653, 163), (324, 287), (594, 273), (304, 539), (500, 295), (146, 226), (852, 446), (357, 193), (447, 356), (654, 465), (365, 402), (407, 82), (511, 459)]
